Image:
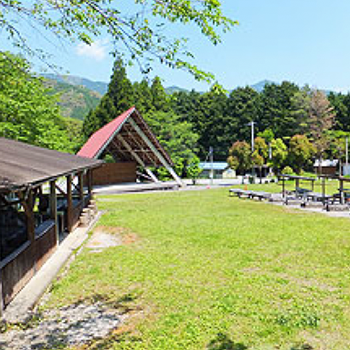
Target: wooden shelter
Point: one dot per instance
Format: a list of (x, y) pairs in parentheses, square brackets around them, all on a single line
[(298, 180), (343, 194), (42, 194), (131, 143)]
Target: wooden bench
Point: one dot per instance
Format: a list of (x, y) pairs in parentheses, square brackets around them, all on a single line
[(301, 192), (260, 195), (249, 194), (239, 192), (318, 197)]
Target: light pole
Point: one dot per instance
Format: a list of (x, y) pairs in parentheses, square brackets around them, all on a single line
[(252, 124), (211, 155)]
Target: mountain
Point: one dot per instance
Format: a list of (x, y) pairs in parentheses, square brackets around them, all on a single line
[(79, 95), (171, 89), (259, 87), (98, 86), (75, 101)]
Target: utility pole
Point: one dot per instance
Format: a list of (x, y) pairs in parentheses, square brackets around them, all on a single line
[(252, 124), (211, 157), (347, 152)]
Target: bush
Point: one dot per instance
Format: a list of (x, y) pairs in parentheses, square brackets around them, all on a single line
[(287, 170)]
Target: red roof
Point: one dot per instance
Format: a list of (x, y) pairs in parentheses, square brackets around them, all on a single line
[(100, 138)]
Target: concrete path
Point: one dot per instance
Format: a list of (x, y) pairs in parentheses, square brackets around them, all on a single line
[(19, 310), (135, 188)]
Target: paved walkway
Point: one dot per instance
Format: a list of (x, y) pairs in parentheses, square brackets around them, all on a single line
[(19, 310)]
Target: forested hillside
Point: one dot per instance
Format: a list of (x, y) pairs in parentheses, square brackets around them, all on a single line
[(75, 101)]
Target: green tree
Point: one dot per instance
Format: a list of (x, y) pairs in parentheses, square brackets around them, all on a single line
[(160, 99), (28, 112), (120, 90), (268, 135), (300, 153), (143, 97), (261, 147), (140, 35), (276, 111), (175, 136), (193, 169), (243, 106), (211, 124), (279, 154), (118, 99), (240, 158)]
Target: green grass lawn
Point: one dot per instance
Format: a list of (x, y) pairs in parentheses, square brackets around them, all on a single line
[(213, 272)]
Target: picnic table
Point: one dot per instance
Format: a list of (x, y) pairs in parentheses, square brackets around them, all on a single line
[(239, 192), (318, 197), (299, 191), (249, 194)]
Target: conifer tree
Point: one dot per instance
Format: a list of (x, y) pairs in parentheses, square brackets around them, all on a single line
[(159, 97), (118, 99), (143, 97)]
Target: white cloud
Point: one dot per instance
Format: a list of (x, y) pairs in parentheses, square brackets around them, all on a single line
[(98, 50)]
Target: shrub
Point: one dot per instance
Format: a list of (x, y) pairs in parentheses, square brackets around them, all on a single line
[(287, 170)]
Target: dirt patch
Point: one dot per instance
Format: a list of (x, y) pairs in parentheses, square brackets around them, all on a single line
[(73, 325), (107, 236)]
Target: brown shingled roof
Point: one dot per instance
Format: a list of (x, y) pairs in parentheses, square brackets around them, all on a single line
[(23, 165)]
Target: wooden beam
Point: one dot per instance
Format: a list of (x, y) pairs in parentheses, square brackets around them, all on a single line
[(156, 152), (89, 181), (60, 190), (137, 158), (69, 204), (139, 145)]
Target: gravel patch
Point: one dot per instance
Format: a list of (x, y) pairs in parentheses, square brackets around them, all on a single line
[(68, 326)]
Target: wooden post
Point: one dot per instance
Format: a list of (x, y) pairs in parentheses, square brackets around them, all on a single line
[(29, 211), (1, 297), (323, 190), (341, 190), (69, 204), (81, 186), (283, 187), (296, 184), (53, 208), (89, 182)]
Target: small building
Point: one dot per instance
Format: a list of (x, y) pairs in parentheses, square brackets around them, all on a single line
[(129, 141), (42, 195), (328, 167), (220, 170), (262, 171)]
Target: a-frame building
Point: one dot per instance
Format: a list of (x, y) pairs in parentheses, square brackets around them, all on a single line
[(128, 139)]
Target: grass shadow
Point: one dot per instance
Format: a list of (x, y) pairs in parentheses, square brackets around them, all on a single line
[(223, 342)]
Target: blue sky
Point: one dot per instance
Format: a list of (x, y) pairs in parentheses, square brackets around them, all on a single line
[(304, 41)]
